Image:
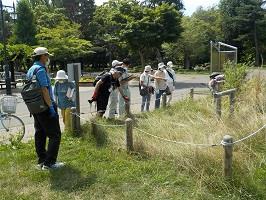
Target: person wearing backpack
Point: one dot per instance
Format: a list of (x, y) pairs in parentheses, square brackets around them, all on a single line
[(160, 84), (146, 89), (64, 93), (104, 87), (46, 123), (171, 79)]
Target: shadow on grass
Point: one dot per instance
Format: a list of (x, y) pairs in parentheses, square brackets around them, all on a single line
[(100, 135), (70, 179)]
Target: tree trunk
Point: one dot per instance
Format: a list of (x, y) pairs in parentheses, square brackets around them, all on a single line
[(142, 60), (159, 55), (257, 59), (186, 60)]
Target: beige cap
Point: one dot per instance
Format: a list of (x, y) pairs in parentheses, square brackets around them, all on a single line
[(41, 51)]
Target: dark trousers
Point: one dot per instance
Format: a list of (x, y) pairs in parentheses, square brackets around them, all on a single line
[(47, 127)]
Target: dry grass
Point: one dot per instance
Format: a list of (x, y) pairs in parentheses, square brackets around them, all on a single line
[(196, 122)]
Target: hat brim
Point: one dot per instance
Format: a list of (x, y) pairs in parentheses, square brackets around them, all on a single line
[(61, 78), (49, 54)]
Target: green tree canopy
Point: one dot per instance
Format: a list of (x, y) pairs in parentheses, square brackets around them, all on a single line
[(25, 28), (60, 35)]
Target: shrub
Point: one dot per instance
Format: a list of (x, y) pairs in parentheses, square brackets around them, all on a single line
[(235, 75)]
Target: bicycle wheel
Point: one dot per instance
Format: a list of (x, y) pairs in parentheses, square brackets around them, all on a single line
[(12, 129)]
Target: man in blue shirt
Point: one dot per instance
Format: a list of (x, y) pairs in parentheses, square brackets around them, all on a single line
[(46, 123)]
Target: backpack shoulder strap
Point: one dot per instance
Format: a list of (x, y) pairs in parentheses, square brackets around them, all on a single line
[(170, 74)]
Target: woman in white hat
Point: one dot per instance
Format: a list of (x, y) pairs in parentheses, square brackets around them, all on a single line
[(64, 93), (146, 89)]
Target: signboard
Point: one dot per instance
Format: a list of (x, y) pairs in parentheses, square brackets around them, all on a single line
[(70, 71)]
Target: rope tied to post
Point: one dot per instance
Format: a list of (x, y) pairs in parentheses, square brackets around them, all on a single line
[(176, 142), (103, 125)]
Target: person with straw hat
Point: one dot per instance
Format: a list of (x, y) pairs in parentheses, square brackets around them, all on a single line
[(64, 93)]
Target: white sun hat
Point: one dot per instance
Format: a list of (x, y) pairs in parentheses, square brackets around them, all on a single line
[(40, 51), (170, 64), (61, 75), (161, 65), (148, 68), (116, 63)]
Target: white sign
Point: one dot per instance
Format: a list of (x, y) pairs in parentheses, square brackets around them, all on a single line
[(70, 71)]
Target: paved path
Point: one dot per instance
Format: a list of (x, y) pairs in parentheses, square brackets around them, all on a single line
[(184, 83)]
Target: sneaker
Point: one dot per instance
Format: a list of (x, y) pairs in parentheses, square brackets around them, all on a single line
[(57, 165), (39, 166)]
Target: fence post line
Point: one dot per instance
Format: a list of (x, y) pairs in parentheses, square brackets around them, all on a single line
[(191, 94), (228, 155), (73, 121), (232, 103), (129, 134), (164, 99)]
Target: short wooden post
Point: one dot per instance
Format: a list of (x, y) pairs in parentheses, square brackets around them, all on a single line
[(93, 127), (127, 108), (232, 103), (228, 155), (191, 94), (73, 121), (129, 134), (164, 99), (218, 105)]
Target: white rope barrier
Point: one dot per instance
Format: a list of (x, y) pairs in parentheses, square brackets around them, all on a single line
[(103, 125), (176, 142), (245, 138)]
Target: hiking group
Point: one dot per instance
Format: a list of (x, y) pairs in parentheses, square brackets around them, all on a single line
[(111, 88)]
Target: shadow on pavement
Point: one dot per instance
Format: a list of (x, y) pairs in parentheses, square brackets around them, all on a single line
[(70, 179)]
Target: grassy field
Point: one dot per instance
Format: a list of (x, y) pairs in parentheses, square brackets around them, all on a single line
[(99, 168)]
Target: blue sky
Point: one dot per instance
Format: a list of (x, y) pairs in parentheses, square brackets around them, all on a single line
[(190, 5)]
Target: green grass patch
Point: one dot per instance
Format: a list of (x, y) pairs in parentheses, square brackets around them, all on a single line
[(98, 166)]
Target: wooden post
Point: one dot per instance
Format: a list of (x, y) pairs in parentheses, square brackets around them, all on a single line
[(129, 134), (93, 127), (191, 94), (218, 106), (73, 121), (127, 108), (164, 99), (232, 103), (77, 99), (228, 155)]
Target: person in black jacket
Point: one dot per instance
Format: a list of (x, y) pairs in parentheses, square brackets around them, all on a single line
[(108, 82)]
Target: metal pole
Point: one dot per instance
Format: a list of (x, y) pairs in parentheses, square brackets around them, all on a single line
[(76, 78), (6, 67)]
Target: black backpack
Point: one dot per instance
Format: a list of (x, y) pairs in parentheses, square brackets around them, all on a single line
[(98, 77), (33, 96)]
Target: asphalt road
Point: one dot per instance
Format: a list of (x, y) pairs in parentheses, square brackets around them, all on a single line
[(185, 82)]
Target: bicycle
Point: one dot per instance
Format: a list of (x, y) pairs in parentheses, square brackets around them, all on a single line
[(12, 128)]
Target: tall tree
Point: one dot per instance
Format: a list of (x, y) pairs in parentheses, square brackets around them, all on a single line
[(25, 28), (79, 11), (243, 25), (139, 27)]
